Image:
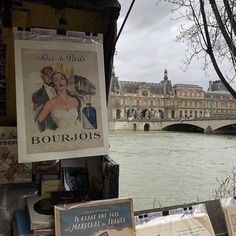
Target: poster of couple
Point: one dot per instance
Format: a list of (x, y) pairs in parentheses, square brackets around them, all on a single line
[(61, 103)]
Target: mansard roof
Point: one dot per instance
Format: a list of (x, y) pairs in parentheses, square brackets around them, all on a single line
[(129, 86), (187, 86), (115, 87), (220, 94), (154, 88), (216, 85)]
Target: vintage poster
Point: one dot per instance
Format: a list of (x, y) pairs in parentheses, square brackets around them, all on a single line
[(10, 170), (112, 217), (61, 105)]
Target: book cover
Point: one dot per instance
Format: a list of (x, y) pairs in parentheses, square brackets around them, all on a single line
[(74, 176), (21, 223), (229, 208), (48, 186), (46, 167), (84, 175), (177, 225), (10, 170), (40, 212), (113, 217)]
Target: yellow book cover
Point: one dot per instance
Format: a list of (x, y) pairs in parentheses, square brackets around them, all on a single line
[(48, 186)]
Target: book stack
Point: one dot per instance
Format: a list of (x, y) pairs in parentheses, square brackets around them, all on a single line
[(37, 219), (41, 214)]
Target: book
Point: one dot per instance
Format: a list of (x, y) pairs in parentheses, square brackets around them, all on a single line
[(95, 218), (21, 223), (46, 167), (48, 186), (44, 232), (12, 197), (40, 212), (229, 208), (21, 226), (188, 223), (75, 176), (10, 170)]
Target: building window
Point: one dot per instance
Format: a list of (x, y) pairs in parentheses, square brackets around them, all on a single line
[(117, 114), (186, 114), (172, 114), (145, 93), (191, 113)]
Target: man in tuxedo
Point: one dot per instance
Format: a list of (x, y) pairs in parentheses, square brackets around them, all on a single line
[(41, 96)]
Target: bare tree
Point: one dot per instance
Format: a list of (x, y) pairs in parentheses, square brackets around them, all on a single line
[(226, 185), (210, 33)]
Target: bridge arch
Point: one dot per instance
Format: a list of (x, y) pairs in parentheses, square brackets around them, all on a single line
[(184, 127), (146, 127), (227, 129)]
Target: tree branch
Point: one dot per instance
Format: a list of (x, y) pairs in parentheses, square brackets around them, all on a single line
[(222, 27), (211, 54)]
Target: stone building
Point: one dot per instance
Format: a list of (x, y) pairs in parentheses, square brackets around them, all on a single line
[(155, 101)]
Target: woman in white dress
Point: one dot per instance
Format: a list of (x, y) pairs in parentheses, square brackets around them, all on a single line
[(63, 107)]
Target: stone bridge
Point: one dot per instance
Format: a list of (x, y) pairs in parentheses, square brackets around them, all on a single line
[(207, 125), (201, 125)]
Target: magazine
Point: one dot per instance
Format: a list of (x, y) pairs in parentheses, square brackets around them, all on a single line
[(10, 170)]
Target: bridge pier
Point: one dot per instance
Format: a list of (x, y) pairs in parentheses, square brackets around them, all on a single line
[(208, 130)]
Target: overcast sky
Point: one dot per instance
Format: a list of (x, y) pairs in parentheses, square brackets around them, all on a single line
[(147, 46)]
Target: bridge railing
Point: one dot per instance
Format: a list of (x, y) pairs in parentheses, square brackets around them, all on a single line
[(226, 117)]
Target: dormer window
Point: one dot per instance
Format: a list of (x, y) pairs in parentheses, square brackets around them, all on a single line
[(145, 93)]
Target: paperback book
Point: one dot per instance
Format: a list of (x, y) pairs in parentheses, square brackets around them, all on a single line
[(113, 217), (40, 212), (229, 208), (190, 223), (21, 223)]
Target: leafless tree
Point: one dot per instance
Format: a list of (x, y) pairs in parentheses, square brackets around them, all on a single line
[(226, 185), (210, 33)]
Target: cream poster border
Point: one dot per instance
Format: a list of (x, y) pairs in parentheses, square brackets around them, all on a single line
[(61, 102)]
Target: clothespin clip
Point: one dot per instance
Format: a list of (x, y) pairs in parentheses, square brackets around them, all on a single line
[(188, 211), (60, 10)]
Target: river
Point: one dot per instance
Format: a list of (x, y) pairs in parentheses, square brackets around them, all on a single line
[(161, 168)]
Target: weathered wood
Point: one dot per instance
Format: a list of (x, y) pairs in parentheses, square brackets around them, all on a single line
[(80, 15)]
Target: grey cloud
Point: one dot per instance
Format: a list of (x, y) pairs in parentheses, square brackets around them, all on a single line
[(144, 13), (147, 45)]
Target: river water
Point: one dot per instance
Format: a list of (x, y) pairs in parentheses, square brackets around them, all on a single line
[(161, 168)]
